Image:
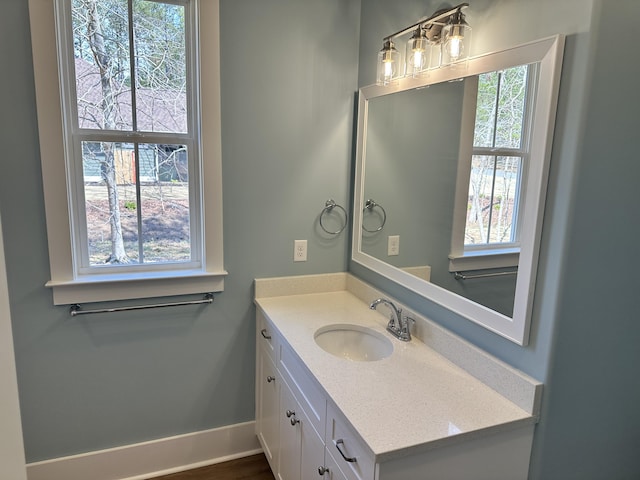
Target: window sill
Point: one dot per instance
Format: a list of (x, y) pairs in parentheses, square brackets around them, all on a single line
[(103, 288), (481, 260)]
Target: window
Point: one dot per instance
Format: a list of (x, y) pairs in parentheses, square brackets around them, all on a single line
[(132, 190), (498, 163)]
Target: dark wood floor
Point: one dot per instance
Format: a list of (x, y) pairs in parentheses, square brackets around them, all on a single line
[(255, 467)]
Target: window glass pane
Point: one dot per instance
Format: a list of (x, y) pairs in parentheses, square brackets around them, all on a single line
[(511, 107), (493, 193), (101, 52), (500, 110), (505, 205), (161, 68), (110, 203), (164, 209), (480, 189), (122, 229), (486, 109)]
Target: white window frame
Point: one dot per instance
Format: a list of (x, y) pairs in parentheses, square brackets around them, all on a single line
[(70, 286), (486, 256)]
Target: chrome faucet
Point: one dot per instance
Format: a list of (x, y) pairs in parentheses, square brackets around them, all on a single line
[(399, 325)]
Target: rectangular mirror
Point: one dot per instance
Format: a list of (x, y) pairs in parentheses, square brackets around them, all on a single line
[(451, 172)]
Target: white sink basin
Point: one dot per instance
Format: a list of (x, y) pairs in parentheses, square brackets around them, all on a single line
[(353, 342)]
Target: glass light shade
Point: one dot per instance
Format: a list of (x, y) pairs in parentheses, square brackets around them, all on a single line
[(418, 53), (456, 40), (388, 64)]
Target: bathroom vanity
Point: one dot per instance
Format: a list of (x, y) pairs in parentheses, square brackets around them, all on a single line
[(432, 408)]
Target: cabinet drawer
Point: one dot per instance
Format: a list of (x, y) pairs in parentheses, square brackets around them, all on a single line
[(265, 335), (305, 389), (353, 457)]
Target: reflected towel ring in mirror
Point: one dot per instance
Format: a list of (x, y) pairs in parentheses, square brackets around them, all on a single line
[(370, 204), (329, 205)]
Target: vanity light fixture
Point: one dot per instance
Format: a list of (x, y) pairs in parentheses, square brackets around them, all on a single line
[(388, 63), (418, 52), (456, 39), (440, 39)]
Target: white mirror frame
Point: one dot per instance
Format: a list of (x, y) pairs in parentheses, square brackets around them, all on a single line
[(548, 54)]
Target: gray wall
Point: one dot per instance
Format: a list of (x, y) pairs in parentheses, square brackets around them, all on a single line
[(591, 427), (287, 113), (585, 330)]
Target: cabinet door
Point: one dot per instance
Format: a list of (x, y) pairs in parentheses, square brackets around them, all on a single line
[(332, 472), (312, 450), (267, 412), (290, 437), (301, 448)]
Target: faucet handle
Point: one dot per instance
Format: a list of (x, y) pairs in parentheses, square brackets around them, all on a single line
[(405, 327), (407, 321)]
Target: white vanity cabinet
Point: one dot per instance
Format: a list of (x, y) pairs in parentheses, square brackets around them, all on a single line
[(452, 427), (289, 426), (293, 418)]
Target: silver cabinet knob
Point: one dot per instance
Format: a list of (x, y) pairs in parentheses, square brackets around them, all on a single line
[(322, 470), (270, 379), (292, 415)]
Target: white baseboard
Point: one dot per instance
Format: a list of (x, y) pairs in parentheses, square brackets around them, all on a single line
[(154, 458)]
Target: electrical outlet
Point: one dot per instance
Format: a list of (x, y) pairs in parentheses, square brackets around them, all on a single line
[(393, 245), (300, 251)]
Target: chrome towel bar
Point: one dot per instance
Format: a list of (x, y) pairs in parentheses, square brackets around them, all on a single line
[(76, 309), (462, 276)]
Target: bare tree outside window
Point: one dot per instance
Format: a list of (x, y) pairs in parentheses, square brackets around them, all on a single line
[(131, 78)]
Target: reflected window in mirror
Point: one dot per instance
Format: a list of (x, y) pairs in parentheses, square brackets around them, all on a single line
[(492, 171)]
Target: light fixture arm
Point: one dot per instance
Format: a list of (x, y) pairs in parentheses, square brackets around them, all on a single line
[(432, 20)]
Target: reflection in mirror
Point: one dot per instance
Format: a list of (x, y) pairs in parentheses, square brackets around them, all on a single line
[(457, 165), (413, 141)]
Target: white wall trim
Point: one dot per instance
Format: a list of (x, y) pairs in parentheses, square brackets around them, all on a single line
[(153, 458), (12, 458)]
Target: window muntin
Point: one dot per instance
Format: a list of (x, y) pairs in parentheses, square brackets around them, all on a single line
[(133, 139)]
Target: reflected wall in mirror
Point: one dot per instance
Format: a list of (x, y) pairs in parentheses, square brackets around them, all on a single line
[(456, 162)]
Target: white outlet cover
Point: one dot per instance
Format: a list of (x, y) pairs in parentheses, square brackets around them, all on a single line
[(393, 245), (300, 251)]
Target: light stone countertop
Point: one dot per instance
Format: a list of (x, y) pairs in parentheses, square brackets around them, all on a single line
[(412, 401)]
